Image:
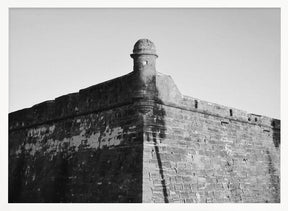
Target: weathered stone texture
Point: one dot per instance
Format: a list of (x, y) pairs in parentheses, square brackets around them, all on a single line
[(91, 158), (137, 139), (205, 158)]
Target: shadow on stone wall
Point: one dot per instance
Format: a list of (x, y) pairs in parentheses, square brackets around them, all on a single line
[(274, 178), (52, 187), (163, 182), (276, 133), (110, 175), (15, 179), (61, 178), (159, 129)]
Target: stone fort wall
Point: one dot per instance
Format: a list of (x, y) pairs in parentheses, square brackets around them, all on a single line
[(203, 152), (77, 148), (136, 138)]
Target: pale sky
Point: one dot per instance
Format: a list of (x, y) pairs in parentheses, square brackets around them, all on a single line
[(225, 56)]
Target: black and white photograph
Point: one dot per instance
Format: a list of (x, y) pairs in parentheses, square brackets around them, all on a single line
[(145, 105)]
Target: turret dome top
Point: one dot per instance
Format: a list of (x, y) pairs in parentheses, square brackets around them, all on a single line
[(144, 46)]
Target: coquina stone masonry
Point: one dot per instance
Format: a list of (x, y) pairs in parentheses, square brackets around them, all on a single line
[(136, 138)]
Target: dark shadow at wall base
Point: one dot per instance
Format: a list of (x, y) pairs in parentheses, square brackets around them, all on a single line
[(99, 176)]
